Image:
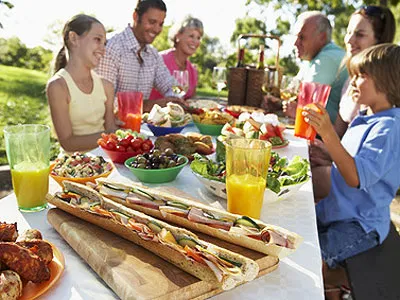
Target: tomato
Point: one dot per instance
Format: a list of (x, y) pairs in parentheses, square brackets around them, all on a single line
[(105, 136), (146, 147), (102, 143), (149, 143), (120, 148), (136, 144), (113, 136), (110, 145), (129, 137), (124, 142)]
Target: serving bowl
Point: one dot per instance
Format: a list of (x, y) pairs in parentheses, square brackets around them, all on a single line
[(156, 175), (82, 180), (209, 129), (117, 156), (218, 188), (159, 130)]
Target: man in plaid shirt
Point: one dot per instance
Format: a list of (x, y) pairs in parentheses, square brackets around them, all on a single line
[(132, 64)]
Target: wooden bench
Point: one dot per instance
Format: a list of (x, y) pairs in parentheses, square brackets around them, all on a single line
[(375, 274)]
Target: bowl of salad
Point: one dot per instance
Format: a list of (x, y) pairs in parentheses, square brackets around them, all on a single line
[(164, 120), (80, 168), (285, 177)]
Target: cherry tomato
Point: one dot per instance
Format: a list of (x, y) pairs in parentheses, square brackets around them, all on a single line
[(149, 143), (104, 136), (101, 143), (136, 143), (129, 137), (125, 142), (110, 145), (121, 148), (146, 147)]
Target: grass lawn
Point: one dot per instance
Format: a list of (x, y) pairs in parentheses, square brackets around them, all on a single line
[(23, 101)]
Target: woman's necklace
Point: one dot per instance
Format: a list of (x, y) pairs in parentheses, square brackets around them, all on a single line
[(181, 65)]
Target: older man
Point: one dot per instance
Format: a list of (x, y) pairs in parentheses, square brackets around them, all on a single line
[(321, 58), (131, 63)]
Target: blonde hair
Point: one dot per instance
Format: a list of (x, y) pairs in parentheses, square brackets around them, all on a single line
[(382, 63), (179, 27)]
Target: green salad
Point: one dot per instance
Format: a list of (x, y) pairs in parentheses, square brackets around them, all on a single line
[(282, 172)]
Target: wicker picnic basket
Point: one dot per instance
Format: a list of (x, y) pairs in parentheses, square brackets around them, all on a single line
[(245, 83)]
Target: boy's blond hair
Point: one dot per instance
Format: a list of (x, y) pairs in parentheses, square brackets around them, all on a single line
[(381, 63)]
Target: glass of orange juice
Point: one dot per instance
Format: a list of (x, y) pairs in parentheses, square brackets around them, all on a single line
[(28, 153), (247, 162), (130, 109), (309, 94)]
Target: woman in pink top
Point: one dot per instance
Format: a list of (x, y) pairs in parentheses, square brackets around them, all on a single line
[(186, 38)]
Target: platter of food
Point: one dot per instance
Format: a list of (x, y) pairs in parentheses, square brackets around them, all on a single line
[(238, 250), (29, 265), (80, 167)]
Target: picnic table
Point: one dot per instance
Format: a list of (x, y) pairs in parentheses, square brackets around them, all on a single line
[(298, 276)]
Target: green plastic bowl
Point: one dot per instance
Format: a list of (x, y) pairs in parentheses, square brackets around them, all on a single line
[(156, 175), (208, 129)]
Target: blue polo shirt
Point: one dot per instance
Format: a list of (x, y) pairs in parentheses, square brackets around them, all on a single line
[(374, 143), (325, 68)]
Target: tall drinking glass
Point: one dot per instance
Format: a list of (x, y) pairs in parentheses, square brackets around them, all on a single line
[(181, 83), (247, 162), (130, 109), (310, 93), (28, 153)]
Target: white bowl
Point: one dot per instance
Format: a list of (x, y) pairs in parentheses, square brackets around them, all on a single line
[(219, 189)]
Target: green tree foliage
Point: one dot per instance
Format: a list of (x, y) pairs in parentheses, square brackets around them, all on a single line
[(14, 53)]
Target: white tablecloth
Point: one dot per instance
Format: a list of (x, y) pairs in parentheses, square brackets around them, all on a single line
[(297, 277)]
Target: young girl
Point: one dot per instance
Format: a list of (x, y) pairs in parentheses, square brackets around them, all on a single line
[(355, 216), (81, 103)]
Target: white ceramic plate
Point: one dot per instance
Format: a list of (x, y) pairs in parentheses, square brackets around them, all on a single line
[(219, 189)]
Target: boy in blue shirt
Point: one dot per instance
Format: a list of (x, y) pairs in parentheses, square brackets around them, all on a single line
[(355, 216)]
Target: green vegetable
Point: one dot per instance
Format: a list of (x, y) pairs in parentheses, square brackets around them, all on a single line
[(154, 226), (208, 168), (188, 241), (246, 221), (235, 263)]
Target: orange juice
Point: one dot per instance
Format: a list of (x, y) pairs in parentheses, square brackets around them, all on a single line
[(245, 194), (133, 121), (301, 127), (31, 184)]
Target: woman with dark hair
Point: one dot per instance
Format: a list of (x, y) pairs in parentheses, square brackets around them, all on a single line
[(81, 103), (186, 37), (368, 26)]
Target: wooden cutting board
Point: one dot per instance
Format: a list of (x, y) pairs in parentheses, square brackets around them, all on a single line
[(134, 272)]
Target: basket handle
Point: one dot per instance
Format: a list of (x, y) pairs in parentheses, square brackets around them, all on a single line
[(264, 36)]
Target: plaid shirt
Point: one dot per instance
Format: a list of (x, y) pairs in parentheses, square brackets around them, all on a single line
[(130, 70)]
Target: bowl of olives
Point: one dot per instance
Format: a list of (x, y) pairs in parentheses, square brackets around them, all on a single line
[(156, 166)]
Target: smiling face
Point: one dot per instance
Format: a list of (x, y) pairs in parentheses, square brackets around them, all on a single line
[(309, 41), (90, 46), (364, 92), (149, 25), (189, 41), (359, 36)]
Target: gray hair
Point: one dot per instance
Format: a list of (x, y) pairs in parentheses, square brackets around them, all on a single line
[(322, 22), (179, 27)]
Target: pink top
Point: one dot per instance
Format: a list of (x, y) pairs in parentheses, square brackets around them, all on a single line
[(169, 60)]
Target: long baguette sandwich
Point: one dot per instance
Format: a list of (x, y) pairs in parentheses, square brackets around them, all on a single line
[(206, 261), (236, 229)]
